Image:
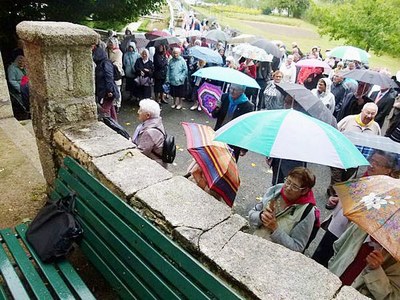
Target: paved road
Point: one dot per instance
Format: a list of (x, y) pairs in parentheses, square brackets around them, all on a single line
[(254, 173)]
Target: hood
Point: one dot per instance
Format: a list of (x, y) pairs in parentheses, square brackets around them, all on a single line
[(328, 83), (99, 55)]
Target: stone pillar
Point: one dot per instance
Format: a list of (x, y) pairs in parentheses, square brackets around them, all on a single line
[(5, 103), (60, 71)]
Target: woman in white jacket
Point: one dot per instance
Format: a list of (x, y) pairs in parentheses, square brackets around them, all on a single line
[(323, 92)]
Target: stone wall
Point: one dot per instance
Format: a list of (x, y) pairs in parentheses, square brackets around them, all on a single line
[(65, 125), (5, 103)]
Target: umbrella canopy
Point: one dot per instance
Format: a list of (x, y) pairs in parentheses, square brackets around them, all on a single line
[(289, 134), (367, 142), (308, 101), (208, 96), (243, 38), (216, 35), (373, 203), (253, 52), (227, 75), (193, 33), (372, 77), (268, 46), (313, 63), (350, 53), (215, 160), (164, 40), (205, 54), (151, 35)]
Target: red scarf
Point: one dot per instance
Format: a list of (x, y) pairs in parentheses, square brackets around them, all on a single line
[(305, 199)]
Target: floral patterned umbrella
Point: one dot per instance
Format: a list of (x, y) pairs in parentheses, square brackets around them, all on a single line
[(209, 95), (373, 203)]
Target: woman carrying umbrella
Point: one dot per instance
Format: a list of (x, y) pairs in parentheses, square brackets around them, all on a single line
[(323, 92), (280, 215), (144, 70), (273, 98), (160, 73)]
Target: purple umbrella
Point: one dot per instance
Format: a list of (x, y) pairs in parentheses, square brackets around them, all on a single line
[(209, 95)]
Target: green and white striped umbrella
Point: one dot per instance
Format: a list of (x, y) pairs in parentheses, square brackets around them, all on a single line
[(289, 134), (350, 53)]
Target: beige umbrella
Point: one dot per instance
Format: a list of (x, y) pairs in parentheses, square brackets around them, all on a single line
[(243, 38)]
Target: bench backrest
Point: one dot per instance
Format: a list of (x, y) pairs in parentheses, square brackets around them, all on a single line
[(137, 259)]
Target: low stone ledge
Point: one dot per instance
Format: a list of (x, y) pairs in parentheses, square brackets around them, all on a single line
[(271, 271), (347, 292), (89, 141), (180, 203), (127, 172)]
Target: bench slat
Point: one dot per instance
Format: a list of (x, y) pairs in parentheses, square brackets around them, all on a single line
[(115, 271), (105, 270), (3, 295), (25, 265), (54, 277), (149, 256), (14, 284), (48, 270), (192, 267)]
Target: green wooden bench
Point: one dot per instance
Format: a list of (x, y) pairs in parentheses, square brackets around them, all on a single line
[(137, 259)]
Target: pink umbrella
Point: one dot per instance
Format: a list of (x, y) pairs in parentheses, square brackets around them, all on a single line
[(209, 95), (313, 63), (151, 35)]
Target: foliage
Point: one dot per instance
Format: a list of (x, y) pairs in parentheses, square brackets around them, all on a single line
[(102, 12), (294, 8), (233, 9), (368, 24)]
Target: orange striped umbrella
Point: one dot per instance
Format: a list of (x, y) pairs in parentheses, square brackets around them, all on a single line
[(215, 160)]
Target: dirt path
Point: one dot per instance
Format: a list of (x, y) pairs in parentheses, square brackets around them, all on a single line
[(284, 30), (21, 187)]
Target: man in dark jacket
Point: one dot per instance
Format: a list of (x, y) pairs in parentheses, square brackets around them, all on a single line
[(385, 100), (233, 104), (106, 90), (339, 91)]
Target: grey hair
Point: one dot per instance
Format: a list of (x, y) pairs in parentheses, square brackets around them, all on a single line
[(370, 105), (176, 49), (390, 157), (151, 107), (238, 87)]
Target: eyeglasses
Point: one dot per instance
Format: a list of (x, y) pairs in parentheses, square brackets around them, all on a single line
[(292, 186)]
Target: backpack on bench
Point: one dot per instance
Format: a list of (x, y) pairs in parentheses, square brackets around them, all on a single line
[(54, 229)]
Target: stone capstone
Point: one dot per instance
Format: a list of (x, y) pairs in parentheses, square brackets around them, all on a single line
[(56, 33), (127, 172), (89, 140), (272, 271), (182, 203)]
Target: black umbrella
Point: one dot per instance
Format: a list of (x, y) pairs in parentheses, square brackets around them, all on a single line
[(164, 40), (372, 77), (268, 46), (308, 101), (373, 141)]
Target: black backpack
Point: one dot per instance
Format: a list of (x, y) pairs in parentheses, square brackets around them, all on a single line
[(169, 147), (54, 229)]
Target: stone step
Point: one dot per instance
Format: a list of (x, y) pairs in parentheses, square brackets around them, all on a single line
[(21, 134)]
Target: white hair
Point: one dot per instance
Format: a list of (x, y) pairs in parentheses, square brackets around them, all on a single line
[(178, 50), (151, 107), (370, 105)]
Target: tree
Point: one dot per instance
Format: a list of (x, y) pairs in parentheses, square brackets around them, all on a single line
[(368, 24), (294, 8), (108, 12)]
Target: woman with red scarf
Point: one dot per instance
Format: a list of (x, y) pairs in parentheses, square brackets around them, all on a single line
[(280, 215)]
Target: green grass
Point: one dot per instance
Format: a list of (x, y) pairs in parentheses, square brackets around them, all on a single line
[(235, 20)]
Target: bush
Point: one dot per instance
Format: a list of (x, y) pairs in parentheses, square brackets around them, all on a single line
[(266, 11)]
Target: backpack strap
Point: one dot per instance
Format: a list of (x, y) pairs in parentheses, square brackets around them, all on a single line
[(315, 228), (306, 211), (164, 135)]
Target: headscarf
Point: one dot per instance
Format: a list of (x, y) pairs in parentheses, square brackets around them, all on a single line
[(148, 55)]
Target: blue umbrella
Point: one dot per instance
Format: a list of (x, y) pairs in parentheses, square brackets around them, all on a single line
[(205, 54), (227, 75)]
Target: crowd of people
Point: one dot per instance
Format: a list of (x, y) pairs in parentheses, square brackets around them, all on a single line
[(288, 213)]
